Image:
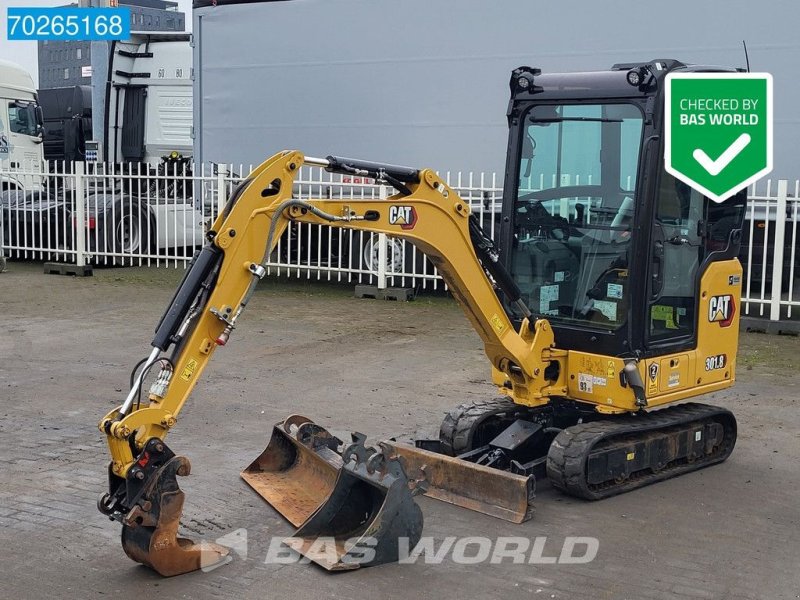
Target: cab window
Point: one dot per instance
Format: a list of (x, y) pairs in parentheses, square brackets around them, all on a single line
[(687, 232), (677, 252), (574, 211), (22, 118)]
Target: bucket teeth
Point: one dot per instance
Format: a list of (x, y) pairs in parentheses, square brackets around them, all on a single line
[(370, 509)]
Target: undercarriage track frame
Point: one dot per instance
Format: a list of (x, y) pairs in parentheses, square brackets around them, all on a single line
[(713, 436)]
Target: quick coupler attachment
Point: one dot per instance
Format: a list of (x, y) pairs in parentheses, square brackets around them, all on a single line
[(370, 509)]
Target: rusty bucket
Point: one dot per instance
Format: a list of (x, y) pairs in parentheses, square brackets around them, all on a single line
[(149, 532), (297, 471), (368, 512)]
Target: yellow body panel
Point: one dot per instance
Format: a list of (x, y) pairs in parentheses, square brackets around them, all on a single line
[(672, 377)]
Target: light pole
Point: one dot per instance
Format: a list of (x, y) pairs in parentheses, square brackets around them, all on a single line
[(99, 52)]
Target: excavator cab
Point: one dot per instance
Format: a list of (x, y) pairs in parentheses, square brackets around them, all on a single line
[(601, 240), (633, 274)]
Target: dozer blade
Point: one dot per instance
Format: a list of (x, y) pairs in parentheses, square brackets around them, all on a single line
[(369, 510), (298, 469), (149, 532), (490, 491)]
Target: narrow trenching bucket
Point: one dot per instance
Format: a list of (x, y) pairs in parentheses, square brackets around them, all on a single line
[(150, 529), (297, 471), (370, 508)]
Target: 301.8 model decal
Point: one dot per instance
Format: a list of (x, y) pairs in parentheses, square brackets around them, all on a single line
[(716, 362)]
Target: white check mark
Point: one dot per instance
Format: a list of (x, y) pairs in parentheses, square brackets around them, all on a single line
[(715, 167)]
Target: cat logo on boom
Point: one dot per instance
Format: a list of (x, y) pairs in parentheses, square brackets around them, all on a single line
[(721, 310), (405, 216)]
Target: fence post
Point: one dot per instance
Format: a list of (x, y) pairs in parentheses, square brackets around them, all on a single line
[(2, 238), (382, 247), (80, 214), (222, 171), (777, 254)]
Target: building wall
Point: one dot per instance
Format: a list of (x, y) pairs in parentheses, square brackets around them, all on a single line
[(426, 83), (154, 19), (66, 64)]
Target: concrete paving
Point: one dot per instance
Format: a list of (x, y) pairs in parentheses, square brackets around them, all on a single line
[(384, 368)]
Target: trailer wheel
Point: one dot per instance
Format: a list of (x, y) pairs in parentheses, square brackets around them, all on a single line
[(132, 233), (394, 254)]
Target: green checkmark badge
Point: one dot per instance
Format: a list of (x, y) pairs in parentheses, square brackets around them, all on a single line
[(718, 130)]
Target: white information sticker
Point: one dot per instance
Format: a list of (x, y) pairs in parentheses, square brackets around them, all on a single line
[(608, 308), (614, 290), (547, 294), (585, 382)]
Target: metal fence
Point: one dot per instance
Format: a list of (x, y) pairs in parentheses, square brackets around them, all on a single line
[(158, 218), (104, 215)]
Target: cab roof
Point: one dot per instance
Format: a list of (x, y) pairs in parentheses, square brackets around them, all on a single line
[(14, 77), (612, 83)]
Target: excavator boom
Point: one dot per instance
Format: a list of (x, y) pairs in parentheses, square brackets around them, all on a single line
[(218, 285)]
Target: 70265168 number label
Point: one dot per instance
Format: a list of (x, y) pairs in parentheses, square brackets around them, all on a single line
[(68, 23), (716, 362)]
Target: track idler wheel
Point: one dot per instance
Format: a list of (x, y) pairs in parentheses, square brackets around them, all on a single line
[(370, 508), (150, 529)]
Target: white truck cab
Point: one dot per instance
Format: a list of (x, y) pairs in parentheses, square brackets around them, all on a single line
[(149, 106), (21, 151), (148, 118)]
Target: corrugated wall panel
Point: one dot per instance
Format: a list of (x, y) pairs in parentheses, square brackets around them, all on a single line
[(426, 83)]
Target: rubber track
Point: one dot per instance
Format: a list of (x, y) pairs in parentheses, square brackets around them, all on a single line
[(569, 452), (454, 433)]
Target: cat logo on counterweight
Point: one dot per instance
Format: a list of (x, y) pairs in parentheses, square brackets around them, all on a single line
[(721, 310)]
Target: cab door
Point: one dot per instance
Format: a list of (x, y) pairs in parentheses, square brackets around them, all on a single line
[(688, 232)]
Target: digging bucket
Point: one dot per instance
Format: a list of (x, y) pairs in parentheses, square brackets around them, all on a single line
[(370, 508), (297, 471)]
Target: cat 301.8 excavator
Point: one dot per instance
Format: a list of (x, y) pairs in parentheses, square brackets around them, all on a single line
[(609, 292)]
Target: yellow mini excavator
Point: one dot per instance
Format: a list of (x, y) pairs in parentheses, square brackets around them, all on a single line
[(609, 292)]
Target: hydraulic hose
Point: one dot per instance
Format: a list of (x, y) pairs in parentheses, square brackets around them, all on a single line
[(271, 237)]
